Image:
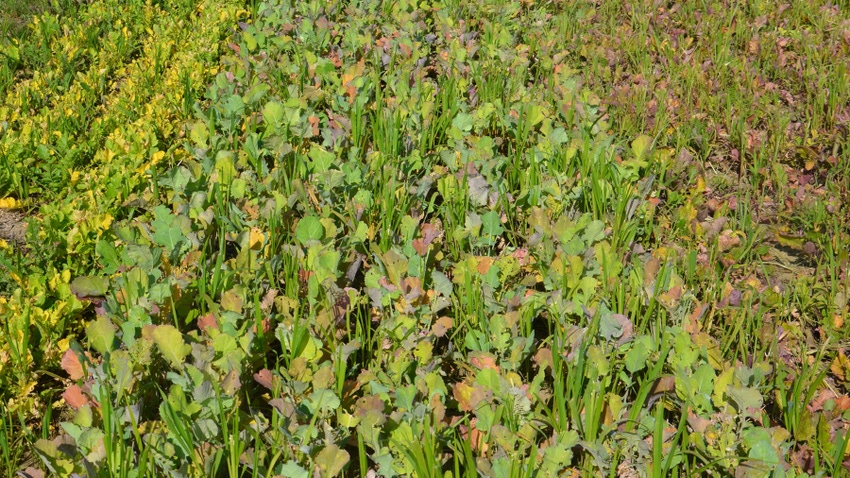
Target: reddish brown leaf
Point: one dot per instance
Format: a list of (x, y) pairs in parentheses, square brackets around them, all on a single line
[(264, 377), (663, 384), (543, 358), (441, 326), (481, 360), (31, 472), (71, 365), (207, 321), (468, 396), (420, 247), (74, 397)]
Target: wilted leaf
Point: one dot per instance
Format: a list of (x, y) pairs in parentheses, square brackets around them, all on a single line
[(31, 472), (478, 190), (482, 360), (231, 300), (231, 383), (468, 397), (331, 460), (840, 366), (57, 461), (441, 326)]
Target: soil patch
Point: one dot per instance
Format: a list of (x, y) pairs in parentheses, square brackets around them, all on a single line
[(13, 228)]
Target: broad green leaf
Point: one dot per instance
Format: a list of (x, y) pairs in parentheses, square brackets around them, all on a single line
[(640, 146), (638, 355), (234, 106), (225, 167), (595, 231), (721, 384), (559, 136), (108, 256), (323, 400), (250, 41), (309, 229), (171, 345), (200, 133), (534, 115), (256, 93), (395, 265), (291, 469), (745, 397), (441, 284), (615, 327), (57, 461), (405, 397), (491, 224), (490, 379), (273, 114), (761, 450), (101, 334), (90, 286), (463, 121), (486, 418), (171, 238), (11, 51), (320, 160), (559, 455)]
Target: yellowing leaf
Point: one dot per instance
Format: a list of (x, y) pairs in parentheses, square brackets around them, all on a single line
[(331, 460), (256, 239), (641, 145), (840, 366), (171, 345), (101, 333)]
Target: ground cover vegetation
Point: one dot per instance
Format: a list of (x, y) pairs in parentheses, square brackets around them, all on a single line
[(452, 238)]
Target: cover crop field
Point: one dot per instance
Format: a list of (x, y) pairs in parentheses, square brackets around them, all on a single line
[(437, 239)]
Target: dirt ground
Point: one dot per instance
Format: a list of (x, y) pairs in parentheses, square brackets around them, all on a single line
[(12, 226)]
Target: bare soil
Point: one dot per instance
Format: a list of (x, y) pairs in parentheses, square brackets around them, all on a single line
[(13, 228)]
